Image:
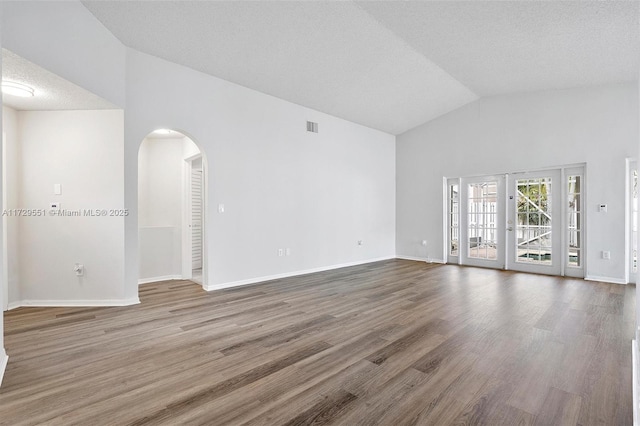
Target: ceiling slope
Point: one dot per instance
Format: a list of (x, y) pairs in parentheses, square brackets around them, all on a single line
[(51, 91), (329, 56), (389, 65), (497, 47)]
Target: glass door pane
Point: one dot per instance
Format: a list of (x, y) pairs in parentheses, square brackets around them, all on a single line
[(534, 220), (482, 212), (482, 207), (534, 226)]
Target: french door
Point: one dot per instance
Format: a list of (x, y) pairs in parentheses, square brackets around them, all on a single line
[(529, 222), (534, 222), (482, 218)]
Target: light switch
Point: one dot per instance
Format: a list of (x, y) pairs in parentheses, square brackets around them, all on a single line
[(57, 189), (220, 208)]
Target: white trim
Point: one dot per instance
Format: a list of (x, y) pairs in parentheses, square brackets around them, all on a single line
[(187, 250), (605, 279), (446, 218), (13, 305), (630, 164), (75, 303), (4, 360), (564, 223), (627, 217), (290, 274), (156, 279), (420, 259), (4, 283), (634, 369), (543, 169)]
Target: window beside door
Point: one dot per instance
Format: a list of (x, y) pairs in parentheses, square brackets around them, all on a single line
[(574, 221)]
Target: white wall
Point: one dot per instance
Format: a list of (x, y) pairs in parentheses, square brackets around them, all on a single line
[(160, 182), (83, 151), (317, 194), (11, 185), (597, 126), (3, 354), (160, 199), (189, 149)]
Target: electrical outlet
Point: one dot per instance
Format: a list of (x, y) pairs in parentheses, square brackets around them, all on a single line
[(360, 242), (424, 243), (287, 251), (606, 255), (280, 252)]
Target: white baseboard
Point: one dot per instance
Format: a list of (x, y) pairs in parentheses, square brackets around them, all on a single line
[(4, 359), (75, 303), (156, 279), (634, 369), (13, 305), (421, 259), (605, 279), (220, 286)]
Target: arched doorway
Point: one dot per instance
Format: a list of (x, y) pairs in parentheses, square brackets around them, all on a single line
[(171, 208)]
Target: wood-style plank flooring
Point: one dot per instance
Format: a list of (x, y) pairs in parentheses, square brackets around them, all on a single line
[(388, 343)]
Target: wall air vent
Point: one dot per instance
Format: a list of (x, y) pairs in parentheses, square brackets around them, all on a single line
[(312, 127)]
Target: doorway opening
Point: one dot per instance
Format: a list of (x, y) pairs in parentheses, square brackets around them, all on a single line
[(193, 247), (171, 208), (518, 221)]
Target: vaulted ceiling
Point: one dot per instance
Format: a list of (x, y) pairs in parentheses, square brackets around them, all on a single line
[(52, 92), (389, 65)]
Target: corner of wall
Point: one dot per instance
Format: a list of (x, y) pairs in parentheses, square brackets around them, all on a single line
[(4, 359), (421, 259), (256, 280)]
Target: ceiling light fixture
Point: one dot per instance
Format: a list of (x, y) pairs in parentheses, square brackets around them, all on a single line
[(17, 89), (162, 131)]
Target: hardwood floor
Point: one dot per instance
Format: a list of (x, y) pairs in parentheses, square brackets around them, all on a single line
[(389, 343)]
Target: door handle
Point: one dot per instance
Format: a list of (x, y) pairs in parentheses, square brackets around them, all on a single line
[(510, 228)]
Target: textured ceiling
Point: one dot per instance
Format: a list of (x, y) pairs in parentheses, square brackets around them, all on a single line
[(388, 65), (506, 47), (51, 92)]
